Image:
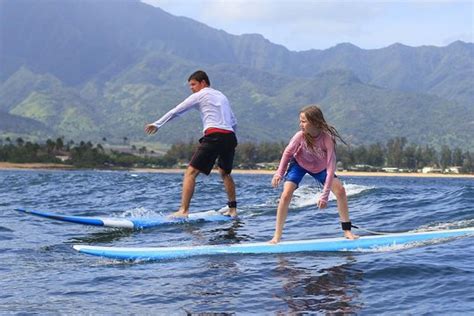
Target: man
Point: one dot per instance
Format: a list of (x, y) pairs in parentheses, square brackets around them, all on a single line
[(219, 140)]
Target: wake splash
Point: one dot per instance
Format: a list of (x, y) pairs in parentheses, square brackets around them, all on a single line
[(400, 247), (304, 196), (141, 212), (425, 228), (307, 195), (444, 226)]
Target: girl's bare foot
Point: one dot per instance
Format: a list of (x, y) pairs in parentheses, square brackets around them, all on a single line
[(179, 214), (274, 241), (349, 235)]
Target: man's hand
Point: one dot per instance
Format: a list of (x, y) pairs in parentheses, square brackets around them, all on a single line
[(150, 129), (322, 204)]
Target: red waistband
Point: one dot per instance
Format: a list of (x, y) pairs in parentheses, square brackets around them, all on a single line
[(211, 130)]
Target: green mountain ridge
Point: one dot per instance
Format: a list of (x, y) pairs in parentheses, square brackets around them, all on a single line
[(75, 67), (17, 125)]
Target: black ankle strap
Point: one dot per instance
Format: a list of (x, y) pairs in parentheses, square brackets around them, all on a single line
[(232, 204), (346, 225)]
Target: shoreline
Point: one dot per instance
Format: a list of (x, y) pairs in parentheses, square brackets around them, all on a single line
[(33, 166), (53, 166)]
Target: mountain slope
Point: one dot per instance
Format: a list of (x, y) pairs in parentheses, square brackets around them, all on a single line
[(93, 69), (13, 124), (78, 40)]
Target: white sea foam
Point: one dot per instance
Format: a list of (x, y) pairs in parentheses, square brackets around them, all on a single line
[(443, 226), (140, 212), (397, 247), (307, 195)]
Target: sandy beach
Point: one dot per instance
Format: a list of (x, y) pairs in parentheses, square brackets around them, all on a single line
[(33, 166), (52, 166)]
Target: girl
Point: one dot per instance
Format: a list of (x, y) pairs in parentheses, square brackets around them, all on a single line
[(311, 150)]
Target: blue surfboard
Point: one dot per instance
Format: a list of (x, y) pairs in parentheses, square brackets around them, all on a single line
[(131, 223), (314, 245)]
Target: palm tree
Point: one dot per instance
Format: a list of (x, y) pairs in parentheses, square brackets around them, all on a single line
[(59, 144), (20, 141)]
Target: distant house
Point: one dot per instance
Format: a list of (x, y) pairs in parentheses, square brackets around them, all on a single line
[(267, 165), (182, 165), (390, 169), (431, 170), (404, 170), (453, 169), (363, 167), (63, 158)]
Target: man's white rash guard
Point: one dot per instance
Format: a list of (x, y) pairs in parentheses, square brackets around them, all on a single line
[(213, 106)]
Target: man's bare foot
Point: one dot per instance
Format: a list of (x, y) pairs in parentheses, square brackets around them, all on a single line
[(232, 212), (274, 241), (179, 214), (349, 235)]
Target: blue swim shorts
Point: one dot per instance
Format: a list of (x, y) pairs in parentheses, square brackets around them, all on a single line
[(296, 173)]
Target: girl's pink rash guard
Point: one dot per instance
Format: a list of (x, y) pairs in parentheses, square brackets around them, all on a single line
[(314, 160)]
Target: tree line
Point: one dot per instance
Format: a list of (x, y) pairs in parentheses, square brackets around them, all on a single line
[(81, 155), (396, 153)]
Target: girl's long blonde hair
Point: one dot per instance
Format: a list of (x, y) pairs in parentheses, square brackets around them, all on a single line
[(316, 118)]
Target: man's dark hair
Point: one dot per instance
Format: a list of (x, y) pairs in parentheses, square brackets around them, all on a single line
[(200, 76)]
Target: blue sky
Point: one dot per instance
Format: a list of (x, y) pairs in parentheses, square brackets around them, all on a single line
[(307, 24)]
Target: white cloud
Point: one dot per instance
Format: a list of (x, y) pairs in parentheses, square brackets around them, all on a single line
[(306, 24)]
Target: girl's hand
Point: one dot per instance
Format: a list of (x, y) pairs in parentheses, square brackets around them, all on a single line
[(322, 204), (276, 180)]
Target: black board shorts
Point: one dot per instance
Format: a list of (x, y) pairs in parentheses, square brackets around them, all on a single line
[(220, 146)]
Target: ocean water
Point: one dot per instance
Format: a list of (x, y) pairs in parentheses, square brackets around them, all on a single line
[(40, 273)]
